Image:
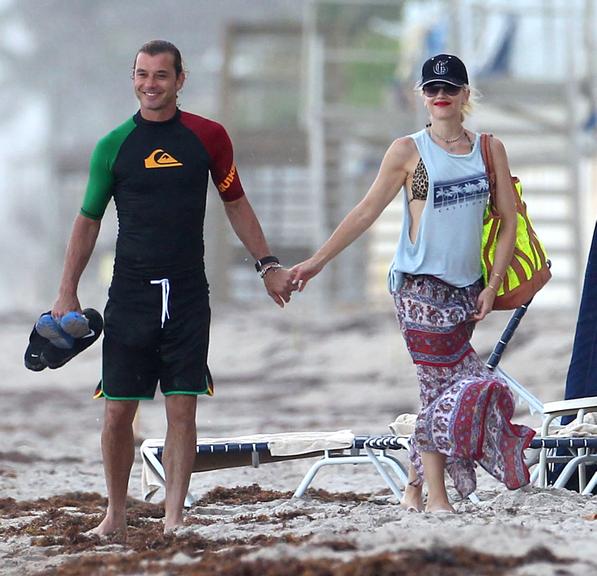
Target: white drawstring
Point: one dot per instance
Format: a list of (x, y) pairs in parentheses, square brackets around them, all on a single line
[(165, 284)]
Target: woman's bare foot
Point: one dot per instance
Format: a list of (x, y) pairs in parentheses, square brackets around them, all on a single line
[(413, 499), (440, 508)]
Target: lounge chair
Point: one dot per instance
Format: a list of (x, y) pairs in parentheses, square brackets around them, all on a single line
[(579, 450), (554, 447), (331, 449)]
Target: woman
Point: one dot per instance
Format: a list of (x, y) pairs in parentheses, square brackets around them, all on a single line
[(437, 285)]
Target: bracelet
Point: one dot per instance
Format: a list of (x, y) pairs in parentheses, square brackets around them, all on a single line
[(490, 286), (259, 264), (273, 266), (498, 275)]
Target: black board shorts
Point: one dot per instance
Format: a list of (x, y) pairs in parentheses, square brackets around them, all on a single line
[(156, 330)]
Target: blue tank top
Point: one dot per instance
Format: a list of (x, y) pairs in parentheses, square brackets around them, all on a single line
[(448, 242)]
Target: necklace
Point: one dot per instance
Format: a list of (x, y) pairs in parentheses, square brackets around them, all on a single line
[(448, 140)]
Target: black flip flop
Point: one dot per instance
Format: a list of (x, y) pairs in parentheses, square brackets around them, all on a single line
[(41, 353), (37, 343)]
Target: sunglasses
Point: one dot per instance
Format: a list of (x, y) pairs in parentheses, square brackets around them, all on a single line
[(431, 90)]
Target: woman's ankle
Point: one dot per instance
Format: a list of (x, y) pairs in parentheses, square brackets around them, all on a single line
[(438, 503)]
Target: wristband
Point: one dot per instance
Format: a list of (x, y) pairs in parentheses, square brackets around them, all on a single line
[(259, 264)]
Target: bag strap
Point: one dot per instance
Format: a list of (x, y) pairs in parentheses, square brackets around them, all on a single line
[(489, 169)]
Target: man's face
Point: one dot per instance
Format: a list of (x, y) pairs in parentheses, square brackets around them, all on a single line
[(156, 85)]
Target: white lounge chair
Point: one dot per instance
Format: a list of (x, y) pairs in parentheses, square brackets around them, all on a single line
[(215, 454)]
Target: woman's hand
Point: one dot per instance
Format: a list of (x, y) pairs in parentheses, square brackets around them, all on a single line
[(484, 303), (303, 272)]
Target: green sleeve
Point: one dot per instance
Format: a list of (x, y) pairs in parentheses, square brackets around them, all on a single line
[(101, 176)]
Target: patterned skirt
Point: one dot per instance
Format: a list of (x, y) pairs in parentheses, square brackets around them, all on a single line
[(465, 409)]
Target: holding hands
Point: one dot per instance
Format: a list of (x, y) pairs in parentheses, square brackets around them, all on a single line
[(280, 282)]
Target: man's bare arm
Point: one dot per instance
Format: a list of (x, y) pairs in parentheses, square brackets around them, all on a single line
[(247, 228), (80, 247)]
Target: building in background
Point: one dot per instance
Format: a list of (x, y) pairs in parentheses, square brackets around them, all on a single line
[(313, 92)]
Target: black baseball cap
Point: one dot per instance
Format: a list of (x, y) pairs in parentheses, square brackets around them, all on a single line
[(444, 68)]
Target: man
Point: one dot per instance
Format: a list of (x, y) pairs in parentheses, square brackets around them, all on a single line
[(155, 166)]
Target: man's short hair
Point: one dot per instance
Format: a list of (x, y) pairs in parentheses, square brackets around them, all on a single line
[(155, 47)]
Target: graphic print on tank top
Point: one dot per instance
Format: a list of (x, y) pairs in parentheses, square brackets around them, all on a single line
[(449, 194)]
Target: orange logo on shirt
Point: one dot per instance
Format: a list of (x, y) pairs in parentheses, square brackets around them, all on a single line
[(160, 159), (225, 184)]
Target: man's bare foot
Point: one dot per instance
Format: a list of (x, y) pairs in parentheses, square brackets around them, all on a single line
[(109, 529), (172, 528)]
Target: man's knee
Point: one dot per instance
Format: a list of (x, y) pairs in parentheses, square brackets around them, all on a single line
[(120, 413), (180, 410)]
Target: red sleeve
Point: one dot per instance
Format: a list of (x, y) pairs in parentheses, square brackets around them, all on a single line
[(216, 141)]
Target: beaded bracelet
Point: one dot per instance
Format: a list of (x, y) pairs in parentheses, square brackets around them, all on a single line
[(265, 270)]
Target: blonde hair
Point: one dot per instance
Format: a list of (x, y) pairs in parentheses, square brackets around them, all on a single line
[(473, 99)]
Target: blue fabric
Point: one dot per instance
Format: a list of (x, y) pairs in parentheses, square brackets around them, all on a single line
[(581, 380), (448, 242)]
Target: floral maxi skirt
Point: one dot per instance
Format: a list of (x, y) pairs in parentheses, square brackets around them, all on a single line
[(465, 409)]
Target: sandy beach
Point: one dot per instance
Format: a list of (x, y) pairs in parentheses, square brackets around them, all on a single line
[(279, 371)]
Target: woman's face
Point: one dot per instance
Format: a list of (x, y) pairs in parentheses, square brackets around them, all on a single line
[(445, 101)]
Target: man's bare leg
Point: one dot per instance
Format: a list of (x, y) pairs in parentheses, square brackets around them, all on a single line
[(413, 495), (179, 454), (118, 451), (434, 465)]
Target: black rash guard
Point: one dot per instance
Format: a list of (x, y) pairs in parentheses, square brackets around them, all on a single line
[(157, 173)]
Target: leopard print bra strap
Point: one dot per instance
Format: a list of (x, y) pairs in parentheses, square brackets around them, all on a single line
[(420, 183)]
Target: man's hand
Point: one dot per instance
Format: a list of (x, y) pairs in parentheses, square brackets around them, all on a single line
[(65, 304), (278, 283)]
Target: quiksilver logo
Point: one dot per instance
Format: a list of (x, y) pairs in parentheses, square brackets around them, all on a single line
[(441, 67), (161, 159), (225, 184)]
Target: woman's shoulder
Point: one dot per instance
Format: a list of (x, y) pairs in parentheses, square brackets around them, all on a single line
[(404, 146), (495, 143)]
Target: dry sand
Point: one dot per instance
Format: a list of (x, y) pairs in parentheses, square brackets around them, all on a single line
[(277, 371)]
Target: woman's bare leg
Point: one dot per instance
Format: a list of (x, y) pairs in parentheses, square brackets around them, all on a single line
[(413, 495), (434, 465)]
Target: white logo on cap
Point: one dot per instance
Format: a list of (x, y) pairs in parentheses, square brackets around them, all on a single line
[(441, 67)]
